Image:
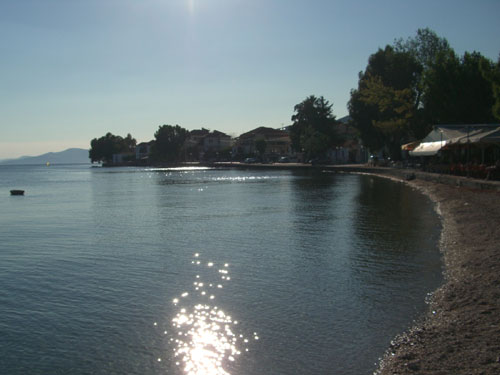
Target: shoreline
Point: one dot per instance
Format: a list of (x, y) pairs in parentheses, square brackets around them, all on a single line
[(459, 332)]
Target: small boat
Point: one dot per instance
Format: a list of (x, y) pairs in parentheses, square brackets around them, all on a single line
[(17, 192)]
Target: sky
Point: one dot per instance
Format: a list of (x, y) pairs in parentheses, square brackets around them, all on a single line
[(73, 70)]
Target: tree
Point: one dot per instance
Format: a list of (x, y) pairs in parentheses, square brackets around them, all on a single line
[(492, 74), (425, 47), (395, 112), (102, 149), (384, 107), (417, 83), (495, 79), (458, 90), (313, 128), (450, 89), (169, 142)]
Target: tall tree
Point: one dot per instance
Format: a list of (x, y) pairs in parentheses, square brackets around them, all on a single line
[(425, 47), (457, 90), (384, 107), (169, 142), (313, 128), (495, 79), (492, 74), (103, 148)]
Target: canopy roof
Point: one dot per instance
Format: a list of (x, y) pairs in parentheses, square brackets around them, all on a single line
[(491, 135), (448, 135), (410, 146), (428, 148)]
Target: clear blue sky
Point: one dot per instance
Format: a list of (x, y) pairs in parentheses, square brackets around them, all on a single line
[(72, 70)]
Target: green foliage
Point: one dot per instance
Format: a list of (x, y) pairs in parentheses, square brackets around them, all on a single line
[(313, 129), (424, 47), (457, 90), (395, 107), (492, 74), (420, 82), (169, 142), (384, 107), (102, 149), (397, 69)]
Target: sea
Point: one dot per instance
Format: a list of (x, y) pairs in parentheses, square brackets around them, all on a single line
[(208, 271)]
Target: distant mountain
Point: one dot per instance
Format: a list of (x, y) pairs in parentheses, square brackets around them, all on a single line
[(69, 156)]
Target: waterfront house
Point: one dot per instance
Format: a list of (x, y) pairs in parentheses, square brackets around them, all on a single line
[(122, 158), (216, 141), (277, 144), (203, 144), (143, 150), (350, 149)]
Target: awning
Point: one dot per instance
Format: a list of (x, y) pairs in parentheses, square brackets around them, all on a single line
[(478, 136), (410, 146), (455, 135), (428, 148)]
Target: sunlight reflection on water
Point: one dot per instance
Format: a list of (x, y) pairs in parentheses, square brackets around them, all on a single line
[(205, 335), (178, 169)]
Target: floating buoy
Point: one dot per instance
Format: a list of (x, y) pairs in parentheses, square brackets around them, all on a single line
[(17, 192)]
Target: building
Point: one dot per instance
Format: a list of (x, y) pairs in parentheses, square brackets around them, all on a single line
[(216, 141), (203, 144), (143, 150), (276, 143), (350, 148)]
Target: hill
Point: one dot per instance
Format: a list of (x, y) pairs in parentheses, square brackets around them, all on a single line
[(69, 156)]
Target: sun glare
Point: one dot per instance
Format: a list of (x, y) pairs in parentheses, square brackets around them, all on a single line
[(190, 6), (204, 339)]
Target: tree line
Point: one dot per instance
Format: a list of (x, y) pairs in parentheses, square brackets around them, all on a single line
[(416, 83), (169, 140), (312, 132), (406, 88)]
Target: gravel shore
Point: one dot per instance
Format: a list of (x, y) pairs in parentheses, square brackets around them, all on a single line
[(460, 334)]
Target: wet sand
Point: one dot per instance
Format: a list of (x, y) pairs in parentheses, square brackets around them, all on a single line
[(460, 334)]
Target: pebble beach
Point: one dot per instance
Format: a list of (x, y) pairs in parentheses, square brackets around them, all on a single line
[(460, 334)]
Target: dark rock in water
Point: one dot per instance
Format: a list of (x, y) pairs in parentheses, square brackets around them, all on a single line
[(17, 192)]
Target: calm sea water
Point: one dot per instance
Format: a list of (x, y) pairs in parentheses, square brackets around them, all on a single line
[(154, 271)]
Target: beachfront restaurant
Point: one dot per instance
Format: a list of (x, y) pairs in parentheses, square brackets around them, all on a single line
[(469, 150)]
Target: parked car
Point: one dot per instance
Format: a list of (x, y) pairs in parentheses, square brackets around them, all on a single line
[(250, 160), (284, 159), (319, 161)]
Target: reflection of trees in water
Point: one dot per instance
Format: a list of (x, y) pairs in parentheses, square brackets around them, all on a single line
[(312, 198), (393, 215), (321, 205), (397, 234)]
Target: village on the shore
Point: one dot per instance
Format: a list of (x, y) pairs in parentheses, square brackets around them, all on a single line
[(474, 147), (418, 104), (260, 145)]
